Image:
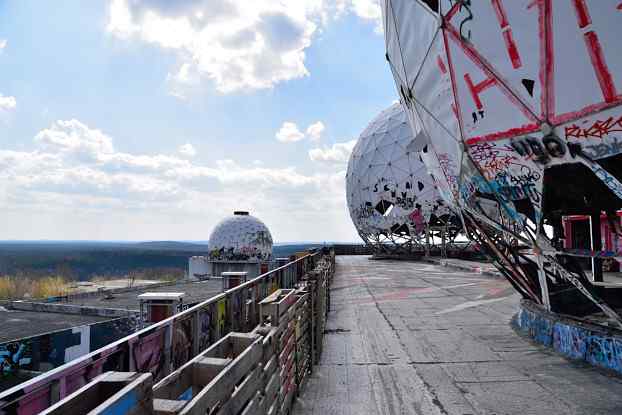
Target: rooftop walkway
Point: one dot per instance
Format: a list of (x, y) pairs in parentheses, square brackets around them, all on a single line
[(418, 338)]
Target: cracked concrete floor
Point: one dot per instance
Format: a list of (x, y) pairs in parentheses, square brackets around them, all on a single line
[(416, 338)]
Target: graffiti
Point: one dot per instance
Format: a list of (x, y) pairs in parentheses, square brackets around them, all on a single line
[(14, 356), (467, 6), (182, 342), (205, 321), (570, 340), (610, 181), (501, 187), (598, 129), (448, 166), (517, 187), (148, 353), (492, 158), (605, 352), (540, 150), (603, 149), (417, 218), (244, 253), (221, 316)]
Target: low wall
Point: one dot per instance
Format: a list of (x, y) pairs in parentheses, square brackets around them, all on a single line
[(51, 350), (104, 291), (597, 345), (70, 309)]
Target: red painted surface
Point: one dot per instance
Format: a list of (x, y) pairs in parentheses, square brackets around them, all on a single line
[(506, 32), (610, 241), (605, 79), (478, 88)]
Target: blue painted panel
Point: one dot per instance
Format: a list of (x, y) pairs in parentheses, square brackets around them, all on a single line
[(123, 405)]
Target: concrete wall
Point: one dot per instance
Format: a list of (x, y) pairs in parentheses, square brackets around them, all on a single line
[(596, 345), (69, 309), (48, 351)]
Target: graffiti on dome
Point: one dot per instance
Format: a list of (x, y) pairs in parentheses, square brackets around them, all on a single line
[(390, 193)]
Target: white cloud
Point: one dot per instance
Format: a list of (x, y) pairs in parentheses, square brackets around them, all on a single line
[(75, 184), (368, 10), (337, 153), (289, 133), (253, 45), (7, 103), (239, 46), (187, 150), (3, 43), (315, 130), (74, 162)]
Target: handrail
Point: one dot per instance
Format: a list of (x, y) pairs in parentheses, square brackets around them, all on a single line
[(14, 394)]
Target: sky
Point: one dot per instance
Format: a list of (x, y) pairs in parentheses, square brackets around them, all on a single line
[(155, 119)]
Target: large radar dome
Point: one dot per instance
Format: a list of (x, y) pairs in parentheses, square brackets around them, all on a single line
[(391, 196), (241, 237)]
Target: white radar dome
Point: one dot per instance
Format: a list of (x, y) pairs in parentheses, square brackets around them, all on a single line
[(391, 196), (241, 237)]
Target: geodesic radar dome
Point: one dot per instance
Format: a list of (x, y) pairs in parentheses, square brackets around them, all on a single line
[(391, 196), (241, 237)]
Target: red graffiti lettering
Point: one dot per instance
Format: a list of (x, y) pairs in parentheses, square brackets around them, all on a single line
[(598, 129)]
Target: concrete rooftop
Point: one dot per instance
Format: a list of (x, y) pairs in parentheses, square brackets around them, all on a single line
[(194, 292), (417, 338), (17, 324)]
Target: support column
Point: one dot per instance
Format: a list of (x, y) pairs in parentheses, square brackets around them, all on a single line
[(595, 235), (427, 240)]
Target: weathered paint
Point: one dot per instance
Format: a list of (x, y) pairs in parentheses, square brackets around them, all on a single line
[(124, 405), (50, 350), (572, 338)]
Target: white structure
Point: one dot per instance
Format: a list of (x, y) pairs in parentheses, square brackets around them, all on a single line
[(239, 243), (198, 267), (522, 106), (391, 197)]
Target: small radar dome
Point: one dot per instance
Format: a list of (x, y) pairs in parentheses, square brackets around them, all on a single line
[(240, 237)]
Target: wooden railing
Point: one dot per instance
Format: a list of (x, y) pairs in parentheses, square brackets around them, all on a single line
[(178, 345)]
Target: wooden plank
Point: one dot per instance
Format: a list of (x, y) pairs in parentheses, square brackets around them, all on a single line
[(107, 393), (207, 368), (167, 406), (272, 386), (222, 386), (287, 402), (273, 408), (242, 394), (276, 304), (270, 367), (135, 399), (255, 406)]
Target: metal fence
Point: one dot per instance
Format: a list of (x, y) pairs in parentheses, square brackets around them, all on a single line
[(165, 346)]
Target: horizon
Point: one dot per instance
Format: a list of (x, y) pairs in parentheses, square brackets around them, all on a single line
[(198, 242)]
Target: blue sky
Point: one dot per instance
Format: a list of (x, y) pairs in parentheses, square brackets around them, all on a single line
[(150, 119)]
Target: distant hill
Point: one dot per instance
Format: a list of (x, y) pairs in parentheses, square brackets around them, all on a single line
[(85, 259), (174, 245)]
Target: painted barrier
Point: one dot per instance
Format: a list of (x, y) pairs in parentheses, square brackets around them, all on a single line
[(259, 373), (47, 351), (571, 337), (166, 346)]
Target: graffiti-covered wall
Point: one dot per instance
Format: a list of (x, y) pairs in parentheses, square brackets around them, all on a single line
[(48, 351), (571, 338)]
